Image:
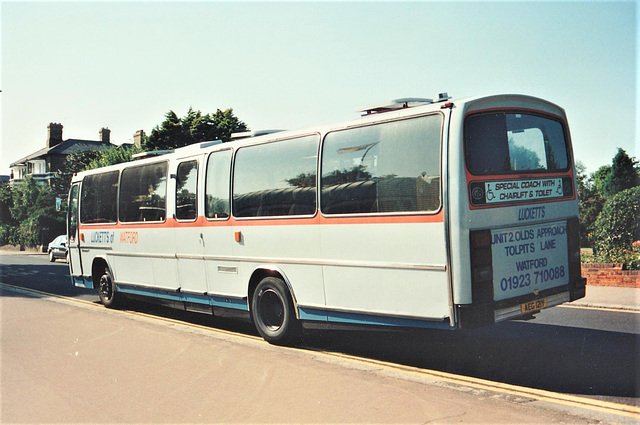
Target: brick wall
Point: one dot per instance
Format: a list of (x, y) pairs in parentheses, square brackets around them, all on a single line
[(610, 275)]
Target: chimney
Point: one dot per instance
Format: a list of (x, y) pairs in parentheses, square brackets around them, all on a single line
[(55, 134), (138, 138), (105, 135)]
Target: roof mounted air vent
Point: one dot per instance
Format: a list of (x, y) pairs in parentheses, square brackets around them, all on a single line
[(405, 102), (443, 97), (256, 133), (150, 154)]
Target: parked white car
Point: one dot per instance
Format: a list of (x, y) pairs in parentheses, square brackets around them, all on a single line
[(58, 248)]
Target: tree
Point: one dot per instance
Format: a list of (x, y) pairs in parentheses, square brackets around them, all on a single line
[(599, 178), (618, 227), (590, 209), (624, 174), (35, 212), (88, 160), (73, 163), (175, 132), (112, 156), (6, 202), (585, 184), (591, 203), (8, 231), (226, 123)]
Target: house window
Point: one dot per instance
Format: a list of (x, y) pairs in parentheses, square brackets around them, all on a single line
[(38, 166)]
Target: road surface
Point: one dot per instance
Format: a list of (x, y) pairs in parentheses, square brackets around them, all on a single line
[(66, 362)]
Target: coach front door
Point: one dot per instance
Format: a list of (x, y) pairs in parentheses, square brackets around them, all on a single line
[(73, 239)]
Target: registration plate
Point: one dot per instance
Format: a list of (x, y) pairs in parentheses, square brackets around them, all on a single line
[(533, 305)]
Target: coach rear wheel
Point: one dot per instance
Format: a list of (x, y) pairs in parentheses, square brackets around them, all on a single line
[(107, 290), (273, 312)]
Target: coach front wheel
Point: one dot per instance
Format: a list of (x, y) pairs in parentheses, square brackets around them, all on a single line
[(273, 312), (107, 290)]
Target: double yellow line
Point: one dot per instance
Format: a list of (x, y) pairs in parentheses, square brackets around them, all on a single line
[(499, 387), (477, 383), (610, 309)]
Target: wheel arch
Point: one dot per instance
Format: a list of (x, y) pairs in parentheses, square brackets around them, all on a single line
[(270, 271), (97, 267)]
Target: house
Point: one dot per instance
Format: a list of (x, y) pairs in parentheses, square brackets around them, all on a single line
[(43, 164)]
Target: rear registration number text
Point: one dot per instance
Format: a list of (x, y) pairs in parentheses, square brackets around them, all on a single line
[(533, 305)]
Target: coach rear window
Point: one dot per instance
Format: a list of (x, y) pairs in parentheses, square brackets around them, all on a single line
[(512, 142)]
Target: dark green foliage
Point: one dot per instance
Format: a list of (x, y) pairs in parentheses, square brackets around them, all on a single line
[(88, 160), (175, 132), (591, 203), (599, 179), (590, 209), (112, 156), (28, 213), (585, 182), (595, 190), (33, 211), (623, 174), (73, 163), (6, 202), (618, 227), (9, 235), (8, 226)]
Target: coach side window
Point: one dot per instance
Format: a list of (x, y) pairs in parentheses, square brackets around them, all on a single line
[(276, 179), (186, 189), (217, 185), (99, 198), (143, 193), (393, 167)]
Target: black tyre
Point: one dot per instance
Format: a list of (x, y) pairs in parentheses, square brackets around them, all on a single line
[(273, 313), (51, 257), (107, 290)]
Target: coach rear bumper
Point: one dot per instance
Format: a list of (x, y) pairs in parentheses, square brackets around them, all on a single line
[(475, 316)]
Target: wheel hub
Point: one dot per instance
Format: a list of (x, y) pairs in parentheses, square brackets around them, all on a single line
[(105, 286), (271, 310)]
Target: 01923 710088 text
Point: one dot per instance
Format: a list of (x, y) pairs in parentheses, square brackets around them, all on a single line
[(529, 258)]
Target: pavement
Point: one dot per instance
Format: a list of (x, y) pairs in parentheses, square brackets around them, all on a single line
[(616, 297), (112, 368)]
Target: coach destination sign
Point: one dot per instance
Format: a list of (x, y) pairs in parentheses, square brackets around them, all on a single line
[(504, 191), (529, 259)]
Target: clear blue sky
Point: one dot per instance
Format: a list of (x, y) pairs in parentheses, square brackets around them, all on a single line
[(291, 65)]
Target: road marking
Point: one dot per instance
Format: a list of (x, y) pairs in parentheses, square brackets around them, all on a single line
[(610, 309), (478, 383), (99, 306), (532, 393), (41, 294)]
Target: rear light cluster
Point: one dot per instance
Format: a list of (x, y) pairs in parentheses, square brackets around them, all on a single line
[(481, 267), (480, 311), (573, 240), (567, 187)]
